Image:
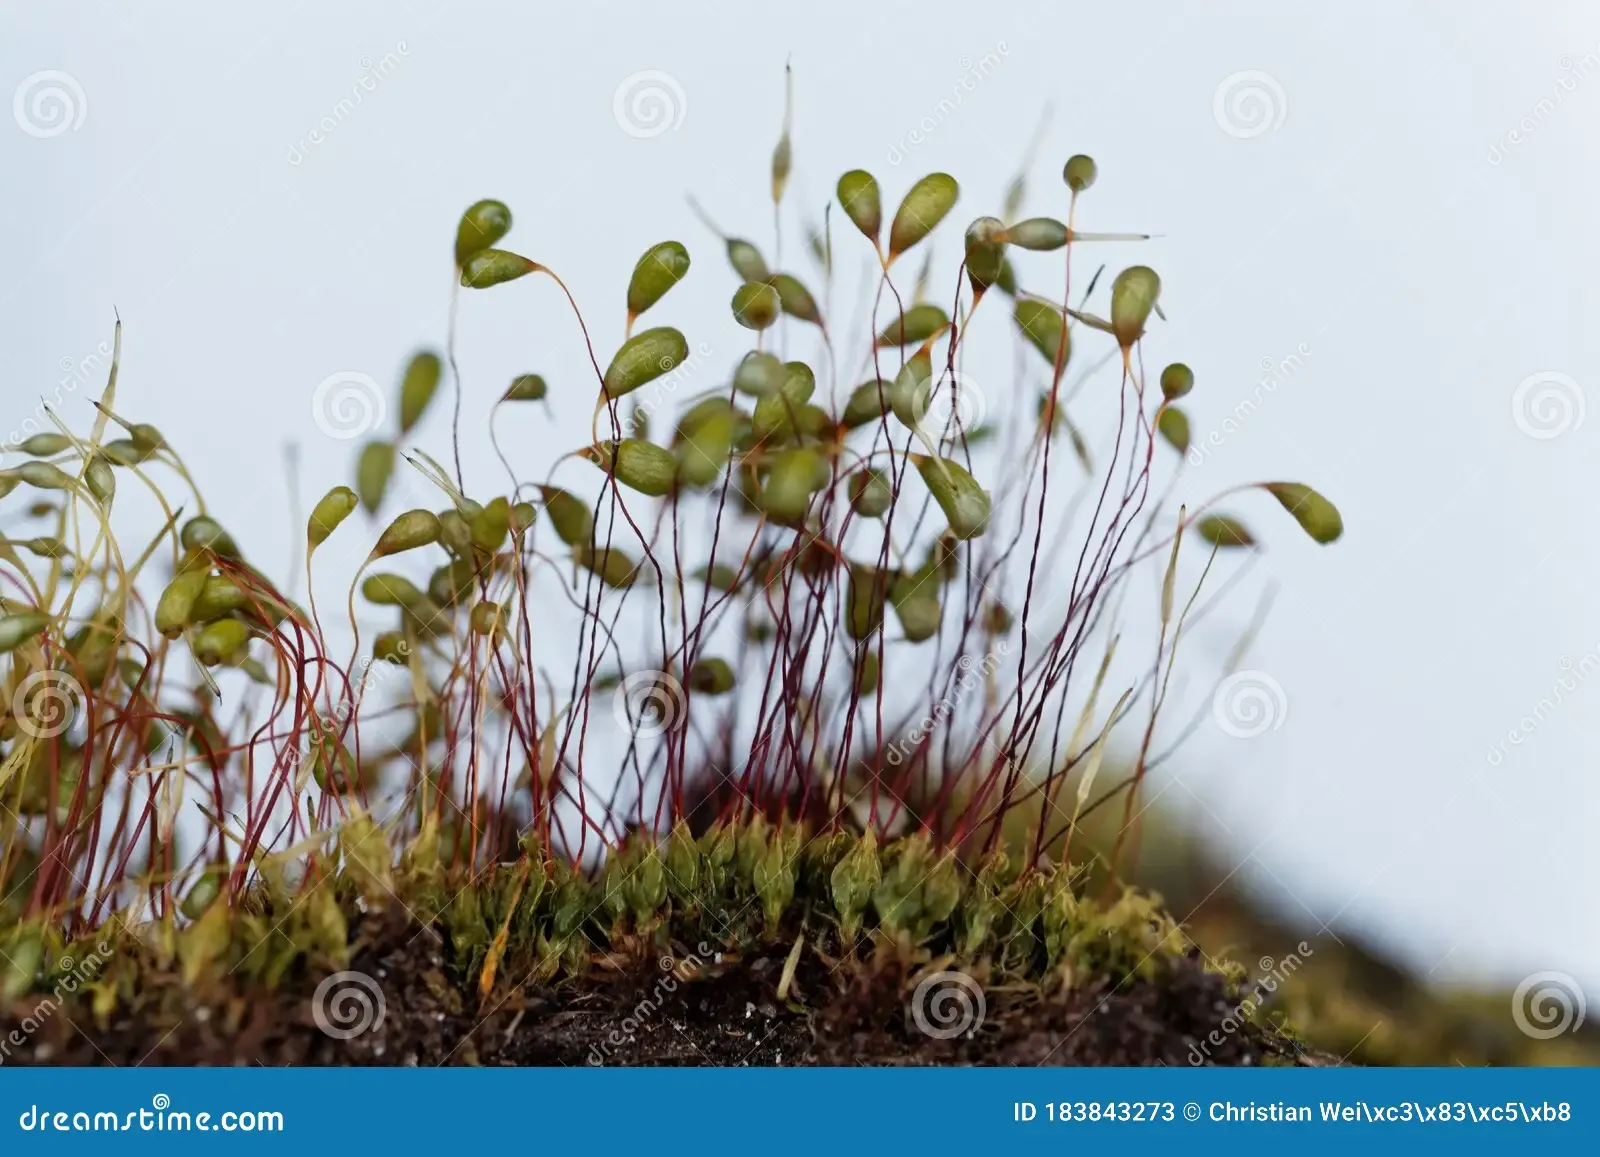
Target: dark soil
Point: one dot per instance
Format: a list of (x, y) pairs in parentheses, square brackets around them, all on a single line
[(723, 1011)]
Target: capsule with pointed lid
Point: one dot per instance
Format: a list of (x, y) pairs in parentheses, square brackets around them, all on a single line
[(1079, 173), (221, 641), (923, 208), (862, 203), (1316, 515), (491, 267), (661, 267), (1040, 322), (331, 509), (1174, 427), (918, 324), (417, 388), (525, 388), (568, 514), (1176, 381), (1041, 234), (964, 502), (1224, 531), (756, 305), (1134, 294), (643, 358), (483, 224), (413, 529), (637, 464), (205, 533), (374, 468)]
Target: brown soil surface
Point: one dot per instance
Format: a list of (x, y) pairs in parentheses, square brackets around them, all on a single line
[(641, 1013)]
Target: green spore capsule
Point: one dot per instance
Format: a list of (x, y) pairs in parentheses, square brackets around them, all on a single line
[(870, 493), (864, 599), (331, 509), (177, 600), (1174, 427), (44, 445), (795, 476), (643, 358), (862, 203), (1133, 295), (986, 253), (221, 641), (525, 388), (756, 305), (390, 590), (568, 514), (747, 261), (408, 531), (483, 224), (964, 502), (205, 533), (100, 478), (44, 476), (1316, 515), (17, 629), (758, 375), (915, 598), (795, 298), (923, 208), (218, 596), (1176, 381), (1041, 234), (1222, 531), (711, 677), (417, 388), (490, 525), (616, 569), (1079, 172), (491, 267), (374, 468), (661, 267), (1040, 322), (486, 618), (637, 464), (918, 324)]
